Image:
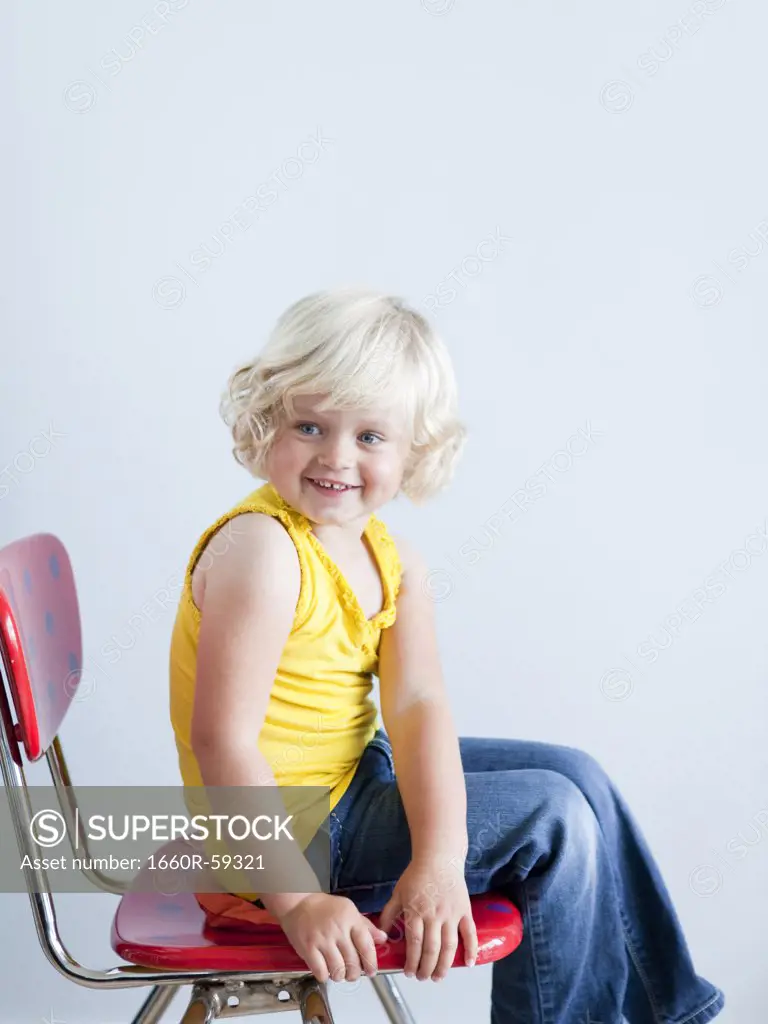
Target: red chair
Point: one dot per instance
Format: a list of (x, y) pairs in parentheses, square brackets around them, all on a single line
[(162, 939)]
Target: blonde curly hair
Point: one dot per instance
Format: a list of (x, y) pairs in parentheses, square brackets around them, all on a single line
[(357, 348)]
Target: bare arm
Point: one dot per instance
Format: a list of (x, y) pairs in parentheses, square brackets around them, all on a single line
[(247, 610), (431, 783), (419, 723)]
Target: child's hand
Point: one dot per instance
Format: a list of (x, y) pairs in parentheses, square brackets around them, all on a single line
[(333, 937), (434, 917)]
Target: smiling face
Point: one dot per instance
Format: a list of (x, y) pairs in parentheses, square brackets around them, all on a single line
[(362, 452)]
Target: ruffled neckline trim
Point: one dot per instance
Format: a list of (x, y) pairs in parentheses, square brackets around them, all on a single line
[(384, 551)]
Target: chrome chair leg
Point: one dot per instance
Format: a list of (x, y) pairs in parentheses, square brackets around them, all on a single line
[(155, 1005), (392, 1000), (313, 1003), (204, 1006)]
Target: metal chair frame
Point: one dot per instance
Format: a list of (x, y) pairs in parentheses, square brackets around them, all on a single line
[(215, 994), (213, 991)]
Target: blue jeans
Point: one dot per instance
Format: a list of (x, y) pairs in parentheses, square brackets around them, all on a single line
[(547, 828)]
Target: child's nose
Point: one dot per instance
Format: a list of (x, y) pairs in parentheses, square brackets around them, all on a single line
[(337, 454)]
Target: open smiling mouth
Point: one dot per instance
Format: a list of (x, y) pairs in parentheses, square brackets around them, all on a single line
[(331, 487)]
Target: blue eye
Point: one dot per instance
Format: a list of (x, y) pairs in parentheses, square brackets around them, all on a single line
[(368, 433), (301, 426)]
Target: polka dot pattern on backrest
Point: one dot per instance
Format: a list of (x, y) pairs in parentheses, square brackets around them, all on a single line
[(40, 629)]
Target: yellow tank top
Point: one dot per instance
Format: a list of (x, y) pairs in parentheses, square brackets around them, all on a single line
[(320, 714)]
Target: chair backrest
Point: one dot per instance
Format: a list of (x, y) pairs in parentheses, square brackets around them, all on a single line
[(40, 638), (41, 659)]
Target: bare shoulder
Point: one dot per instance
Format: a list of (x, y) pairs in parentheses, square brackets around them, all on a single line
[(411, 559), (236, 551)]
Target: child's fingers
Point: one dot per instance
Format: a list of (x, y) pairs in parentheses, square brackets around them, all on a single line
[(430, 950), (414, 942), (469, 938), (363, 940), (377, 934), (352, 966), (449, 944), (315, 961), (389, 913), (337, 969)]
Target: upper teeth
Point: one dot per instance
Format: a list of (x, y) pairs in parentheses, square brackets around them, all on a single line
[(335, 487)]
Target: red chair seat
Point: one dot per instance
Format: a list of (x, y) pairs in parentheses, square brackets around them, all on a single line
[(154, 930)]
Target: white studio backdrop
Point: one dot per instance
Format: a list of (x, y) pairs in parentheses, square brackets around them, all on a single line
[(576, 195)]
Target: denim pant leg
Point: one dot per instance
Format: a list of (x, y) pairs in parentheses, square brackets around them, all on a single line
[(663, 987), (542, 828), (532, 835)]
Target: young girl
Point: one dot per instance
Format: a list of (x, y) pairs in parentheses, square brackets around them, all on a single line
[(278, 635)]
